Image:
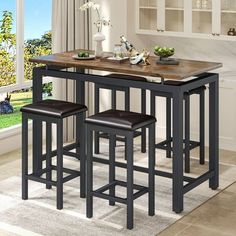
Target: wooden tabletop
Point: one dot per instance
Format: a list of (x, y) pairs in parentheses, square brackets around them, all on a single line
[(185, 69)]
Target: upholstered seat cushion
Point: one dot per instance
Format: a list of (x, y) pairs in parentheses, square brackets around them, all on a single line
[(128, 77), (54, 108), (121, 119)]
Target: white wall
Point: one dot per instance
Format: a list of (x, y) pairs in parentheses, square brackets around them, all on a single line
[(116, 12), (199, 49), (122, 15)]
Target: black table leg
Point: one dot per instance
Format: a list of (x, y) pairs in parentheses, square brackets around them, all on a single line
[(214, 132), (37, 125), (178, 192), (80, 92)]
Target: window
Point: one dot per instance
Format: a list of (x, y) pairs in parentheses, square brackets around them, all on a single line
[(25, 32)]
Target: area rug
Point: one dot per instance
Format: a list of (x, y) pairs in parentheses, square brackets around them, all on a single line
[(38, 215)]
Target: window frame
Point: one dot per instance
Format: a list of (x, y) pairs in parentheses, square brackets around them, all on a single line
[(20, 78)]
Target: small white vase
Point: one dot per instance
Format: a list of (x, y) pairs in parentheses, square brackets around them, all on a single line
[(98, 38)]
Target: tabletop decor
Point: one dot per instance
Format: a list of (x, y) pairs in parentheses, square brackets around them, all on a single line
[(99, 37), (135, 56), (164, 53)]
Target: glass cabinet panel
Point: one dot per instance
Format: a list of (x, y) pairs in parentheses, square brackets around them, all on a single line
[(202, 16), (228, 17), (174, 15), (148, 14)]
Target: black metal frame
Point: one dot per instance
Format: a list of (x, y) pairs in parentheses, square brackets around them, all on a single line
[(188, 144), (129, 136), (38, 172), (177, 93), (114, 90)]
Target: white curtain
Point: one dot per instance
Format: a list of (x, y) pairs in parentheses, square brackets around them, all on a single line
[(70, 30)]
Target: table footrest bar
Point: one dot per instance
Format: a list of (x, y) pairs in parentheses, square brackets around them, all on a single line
[(198, 181), (141, 169), (164, 145)]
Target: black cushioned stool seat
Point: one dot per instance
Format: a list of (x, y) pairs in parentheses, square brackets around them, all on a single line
[(121, 119), (189, 144), (115, 122), (126, 91), (53, 112), (54, 108)]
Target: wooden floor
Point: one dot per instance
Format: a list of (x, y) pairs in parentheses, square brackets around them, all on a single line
[(216, 217)]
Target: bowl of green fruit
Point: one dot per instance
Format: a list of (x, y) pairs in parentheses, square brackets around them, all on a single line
[(83, 55), (164, 53)]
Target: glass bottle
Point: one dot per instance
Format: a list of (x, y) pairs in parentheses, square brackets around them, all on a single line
[(129, 47)]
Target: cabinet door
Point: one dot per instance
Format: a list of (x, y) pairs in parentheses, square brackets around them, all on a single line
[(147, 11), (174, 15), (227, 18), (202, 16)]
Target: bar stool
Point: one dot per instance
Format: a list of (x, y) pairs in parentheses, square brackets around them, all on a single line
[(115, 122), (53, 111), (126, 91), (189, 144)]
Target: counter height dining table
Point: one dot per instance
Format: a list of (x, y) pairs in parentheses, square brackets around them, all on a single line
[(193, 74)]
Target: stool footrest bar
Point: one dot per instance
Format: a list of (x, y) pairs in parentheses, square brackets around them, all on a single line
[(66, 148), (100, 192), (119, 138), (37, 176)]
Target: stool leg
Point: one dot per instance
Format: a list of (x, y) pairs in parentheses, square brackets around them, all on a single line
[(24, 157), (60, 164), (80, 135), (113, 101), (127, 103), (89, 197), (143, 130), (202, 127), (151, 171), (187, 134), (153, 108), (48, 154), (112, 167), (130, 199), (96, 110), (168, 126)]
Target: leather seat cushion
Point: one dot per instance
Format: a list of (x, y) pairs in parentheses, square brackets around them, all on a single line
[(54, 108), (121, 119), (127, 77)]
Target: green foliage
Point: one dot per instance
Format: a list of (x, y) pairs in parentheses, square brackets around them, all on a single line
[(17, 101), (32, 48), (47, 88), (7, 50)]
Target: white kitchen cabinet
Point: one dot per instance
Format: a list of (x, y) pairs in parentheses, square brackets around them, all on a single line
[(210, 19)]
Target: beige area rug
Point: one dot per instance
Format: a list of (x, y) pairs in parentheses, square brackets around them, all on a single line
[(38, 215)]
